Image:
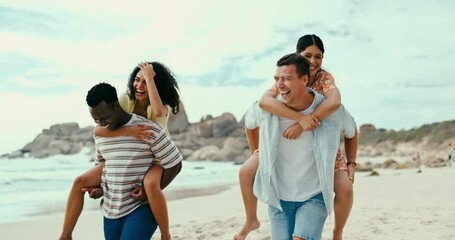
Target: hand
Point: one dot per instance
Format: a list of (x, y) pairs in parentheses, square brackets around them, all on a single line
[(147, 71), (293, 132), (351, 172), (138, 194), (309, 122), (274, 90), (141, 132), (93, 192)]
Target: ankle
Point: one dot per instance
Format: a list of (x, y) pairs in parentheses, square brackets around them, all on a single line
[(337, 234), (65, 236), (166, 236)]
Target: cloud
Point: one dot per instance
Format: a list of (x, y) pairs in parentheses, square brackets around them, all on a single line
[(382, 55), (28, 21)]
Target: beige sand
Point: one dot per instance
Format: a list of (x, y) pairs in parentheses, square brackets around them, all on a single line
[(398, 204)]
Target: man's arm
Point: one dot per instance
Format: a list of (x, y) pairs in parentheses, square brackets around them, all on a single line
[(350, 148), (96, 192), (252, 135), (349, 130)]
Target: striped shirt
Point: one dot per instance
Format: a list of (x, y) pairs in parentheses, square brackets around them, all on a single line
[(127, 160)]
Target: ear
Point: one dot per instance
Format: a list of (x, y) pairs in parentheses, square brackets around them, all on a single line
[(117, 105), (305, 80)]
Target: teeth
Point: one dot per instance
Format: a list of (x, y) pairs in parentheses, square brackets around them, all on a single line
[(139, 91)]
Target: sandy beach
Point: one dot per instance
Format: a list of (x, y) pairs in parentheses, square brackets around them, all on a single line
[(397, 204)]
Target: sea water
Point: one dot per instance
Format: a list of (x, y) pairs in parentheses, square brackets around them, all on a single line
[(32, 187)]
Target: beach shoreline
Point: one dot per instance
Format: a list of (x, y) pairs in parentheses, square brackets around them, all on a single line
[(397, 204)]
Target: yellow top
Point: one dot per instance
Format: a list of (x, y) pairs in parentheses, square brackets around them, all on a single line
[(128, 105)]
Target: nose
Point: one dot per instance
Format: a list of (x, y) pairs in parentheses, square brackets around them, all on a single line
[(311, 60), (279, 83), (141, 83)]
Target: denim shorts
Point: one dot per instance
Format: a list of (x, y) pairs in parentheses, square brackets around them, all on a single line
[(301, 219), (138, 225)]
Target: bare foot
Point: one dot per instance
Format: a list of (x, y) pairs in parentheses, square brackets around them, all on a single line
[(247, 228)]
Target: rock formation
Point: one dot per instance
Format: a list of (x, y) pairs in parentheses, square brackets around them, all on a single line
[(214, 138), (222, 138)]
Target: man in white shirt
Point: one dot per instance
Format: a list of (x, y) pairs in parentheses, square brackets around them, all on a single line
[(295, 177)]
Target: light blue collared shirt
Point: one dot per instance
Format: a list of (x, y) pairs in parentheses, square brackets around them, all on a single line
[(326, 140)]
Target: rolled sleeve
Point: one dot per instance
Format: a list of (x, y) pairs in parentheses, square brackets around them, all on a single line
[(252, 116), (349, 124), (165, 149)]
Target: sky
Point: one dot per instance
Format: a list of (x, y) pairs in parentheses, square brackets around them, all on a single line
[(391, 60)]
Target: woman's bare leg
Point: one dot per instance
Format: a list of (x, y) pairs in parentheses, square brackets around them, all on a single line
[(344, 198), (247, 173), (75, 203), (157, 199)]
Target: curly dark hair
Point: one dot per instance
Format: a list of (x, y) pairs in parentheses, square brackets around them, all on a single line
[(166, 85)]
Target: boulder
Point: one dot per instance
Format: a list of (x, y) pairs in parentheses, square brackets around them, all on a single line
[(366, 129), (224, 125), (66, 138), (210, 152), (178, 123), (63, 129), (233, 149)]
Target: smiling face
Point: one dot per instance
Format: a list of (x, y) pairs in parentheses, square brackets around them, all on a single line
[(140, 87), (104, 115), (289, 84), (314, 56)]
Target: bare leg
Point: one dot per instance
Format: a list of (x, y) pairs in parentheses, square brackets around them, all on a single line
[(342, 203), (157, 200), (246, 177), (75, 203)]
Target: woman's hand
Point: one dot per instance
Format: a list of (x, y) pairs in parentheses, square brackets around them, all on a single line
[(147, 71), (309, 122), (93, 192), (293, 132), (141, 132), (138, 193)]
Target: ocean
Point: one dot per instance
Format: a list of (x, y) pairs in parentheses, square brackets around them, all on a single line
[(31, 188)]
